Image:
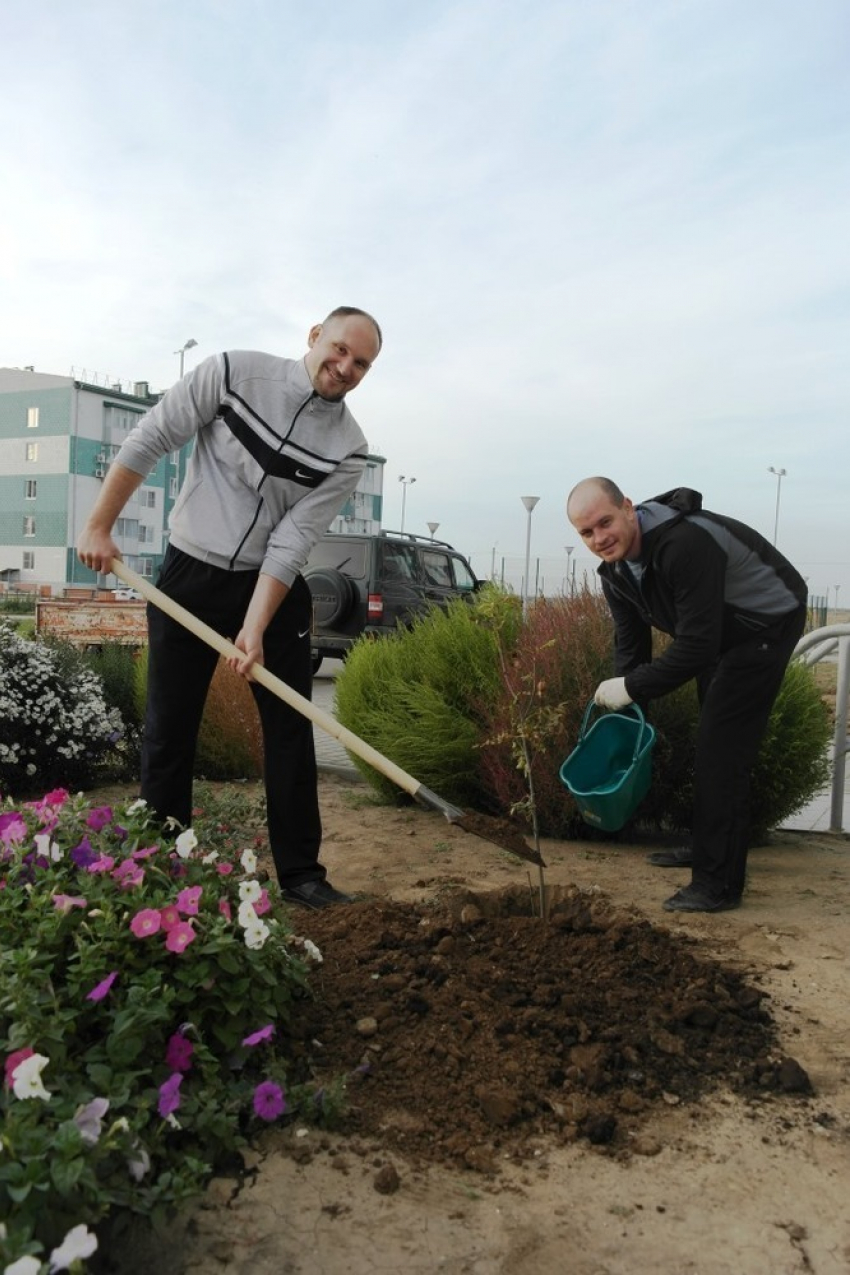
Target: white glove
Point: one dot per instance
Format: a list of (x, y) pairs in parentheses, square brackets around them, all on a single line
[(613, 693)]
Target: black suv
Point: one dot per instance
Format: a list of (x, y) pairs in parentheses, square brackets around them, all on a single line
[(372, 583)]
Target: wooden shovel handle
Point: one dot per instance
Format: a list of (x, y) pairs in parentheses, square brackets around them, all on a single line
[(261, 674)]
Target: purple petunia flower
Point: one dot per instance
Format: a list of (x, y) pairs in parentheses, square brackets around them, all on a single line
[(178, 1055), (83, 854), (99, 817), (269, 1102), (169, 1094), (264, 1033), (102, 989)]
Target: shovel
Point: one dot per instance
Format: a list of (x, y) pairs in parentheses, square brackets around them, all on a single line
[(500, 832)]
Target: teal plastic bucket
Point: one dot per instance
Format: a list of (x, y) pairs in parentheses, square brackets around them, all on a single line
[(610, 769)]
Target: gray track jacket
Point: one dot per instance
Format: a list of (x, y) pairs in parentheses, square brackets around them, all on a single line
[(272, 466)]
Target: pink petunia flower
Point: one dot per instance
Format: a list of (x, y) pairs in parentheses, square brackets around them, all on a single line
[(178, 1054), (103, 863), (145, 923), (169, 1094), (180, 937), (263, 1033), (269, 1102), (225, 909), (98, 993), (99, 817), (13, 1060), (64, 902), (132, 879), (263, 903), (224, 869), (169, 916), (12, 828), (187, 900), (145, 852)]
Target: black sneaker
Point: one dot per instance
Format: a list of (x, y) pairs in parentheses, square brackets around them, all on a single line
[(681, 857), (692, 899), (316, 893)]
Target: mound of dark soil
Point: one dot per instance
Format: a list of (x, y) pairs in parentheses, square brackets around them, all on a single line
[(468, 1030)]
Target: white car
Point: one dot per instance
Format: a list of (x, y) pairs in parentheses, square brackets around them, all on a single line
[(127, 595)]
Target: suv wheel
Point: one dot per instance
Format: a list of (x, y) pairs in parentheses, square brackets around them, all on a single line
[(333, 595)]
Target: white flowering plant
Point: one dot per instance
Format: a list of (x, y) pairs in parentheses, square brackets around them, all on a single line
[(55, 723), (147, 989)]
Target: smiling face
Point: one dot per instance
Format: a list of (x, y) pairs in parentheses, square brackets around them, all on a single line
[(342, 349), (611, 531)]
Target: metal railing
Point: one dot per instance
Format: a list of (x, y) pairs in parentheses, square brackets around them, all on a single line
[(819, 644)]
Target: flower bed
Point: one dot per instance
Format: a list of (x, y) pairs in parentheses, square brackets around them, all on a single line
[(146, 982)]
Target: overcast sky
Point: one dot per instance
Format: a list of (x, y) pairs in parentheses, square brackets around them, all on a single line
[(601, 237)]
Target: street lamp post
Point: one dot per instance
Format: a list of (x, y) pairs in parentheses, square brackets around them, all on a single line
[(432, 527), (404, 485), (190, 345), (569, 549), (529, 502), (780, 474)]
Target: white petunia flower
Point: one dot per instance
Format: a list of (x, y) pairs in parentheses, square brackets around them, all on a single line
[(246, 914), (26, 1078), (24, 1266), (248, 860), (250, 891), (312, 951), (77, 1245), (185, 843), (136, 806), (256, 934)]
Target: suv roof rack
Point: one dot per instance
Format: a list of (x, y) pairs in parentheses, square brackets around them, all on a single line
[(411, 535)]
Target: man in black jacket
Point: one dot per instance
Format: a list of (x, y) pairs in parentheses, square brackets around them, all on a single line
[(735, 609)]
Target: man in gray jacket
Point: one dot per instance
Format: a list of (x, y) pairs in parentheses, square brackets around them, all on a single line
[(277, 453)]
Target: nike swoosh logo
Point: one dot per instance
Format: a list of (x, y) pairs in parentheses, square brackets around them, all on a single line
[(299, 473), (304, 634)]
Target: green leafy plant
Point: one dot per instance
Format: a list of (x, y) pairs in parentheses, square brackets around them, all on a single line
[(146, 986), (417, 698)]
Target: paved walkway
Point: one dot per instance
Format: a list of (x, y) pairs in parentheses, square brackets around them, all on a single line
[(331, 756)]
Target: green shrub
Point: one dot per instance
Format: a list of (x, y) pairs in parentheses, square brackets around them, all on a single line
[(440, 701), (115, 665), (418, 697), (55, 722), (145, 992), (566, 646)]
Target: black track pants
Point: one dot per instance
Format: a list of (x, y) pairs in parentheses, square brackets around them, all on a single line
[(180, 669), (736, 699)]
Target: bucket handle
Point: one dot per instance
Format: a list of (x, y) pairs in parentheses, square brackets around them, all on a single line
[(636, 710)]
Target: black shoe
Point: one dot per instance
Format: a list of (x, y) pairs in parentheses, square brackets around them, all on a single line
[(681, 857), (692, 899), (315, 894)]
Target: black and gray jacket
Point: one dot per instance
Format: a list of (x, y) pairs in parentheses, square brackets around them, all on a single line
[(709, 581), (272, 466)]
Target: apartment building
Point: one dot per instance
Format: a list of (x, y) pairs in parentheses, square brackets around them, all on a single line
[(58, 436)]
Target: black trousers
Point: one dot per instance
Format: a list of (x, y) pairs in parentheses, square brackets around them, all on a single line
[(180, 669), (736, 697)]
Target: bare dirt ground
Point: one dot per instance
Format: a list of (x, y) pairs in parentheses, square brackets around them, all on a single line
[(615, 1092)]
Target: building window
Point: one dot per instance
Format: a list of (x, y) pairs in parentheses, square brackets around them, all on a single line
[(172, 488), (30, 489), (145, 534), (29, 560), (127, 527), (29, 525), (32, 451), (147, 498), (32, 418)]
